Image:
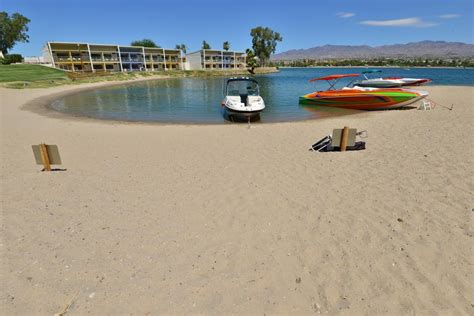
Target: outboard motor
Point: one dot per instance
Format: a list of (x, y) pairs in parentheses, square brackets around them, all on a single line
[(244, 99)]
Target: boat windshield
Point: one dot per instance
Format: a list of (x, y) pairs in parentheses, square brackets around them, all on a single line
[(242, 87)]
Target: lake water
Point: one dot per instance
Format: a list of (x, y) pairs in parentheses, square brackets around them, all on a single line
[(197, 100)]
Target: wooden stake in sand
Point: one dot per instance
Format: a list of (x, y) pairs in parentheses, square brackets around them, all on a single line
[(46, 155), (344, 138)]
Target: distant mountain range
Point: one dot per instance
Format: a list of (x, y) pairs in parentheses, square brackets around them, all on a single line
[(433, 49)]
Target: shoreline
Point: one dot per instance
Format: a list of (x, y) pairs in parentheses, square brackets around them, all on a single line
[(131, 77), (42, 106), (402, 67)]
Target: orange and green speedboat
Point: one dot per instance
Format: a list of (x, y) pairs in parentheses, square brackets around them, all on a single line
[(360, 98)]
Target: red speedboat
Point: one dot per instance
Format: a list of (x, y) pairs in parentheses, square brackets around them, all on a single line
[(361, 98)]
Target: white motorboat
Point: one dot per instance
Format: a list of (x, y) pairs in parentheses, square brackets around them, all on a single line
[(389, 82), (242, 98)]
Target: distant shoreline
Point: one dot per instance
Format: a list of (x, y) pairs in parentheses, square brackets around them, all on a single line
[(403, 67), (124, 76)]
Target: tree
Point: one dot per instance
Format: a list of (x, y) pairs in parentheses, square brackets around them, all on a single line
[(181, 47), (250, 60), (205, 45), (226, 45), (264, 42), (145, 43), (12, 30), (11, 58)]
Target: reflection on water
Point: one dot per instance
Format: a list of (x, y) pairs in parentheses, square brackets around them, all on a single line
[(187, 100), (198, 100)]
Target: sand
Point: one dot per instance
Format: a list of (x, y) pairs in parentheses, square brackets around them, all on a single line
[(222, 219)]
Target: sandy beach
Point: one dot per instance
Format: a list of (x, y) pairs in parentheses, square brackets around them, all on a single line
[(221, 219)]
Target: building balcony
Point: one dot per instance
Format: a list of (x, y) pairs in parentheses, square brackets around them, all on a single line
[(67, 59), (100, 60), (214, 61), (132, 60)]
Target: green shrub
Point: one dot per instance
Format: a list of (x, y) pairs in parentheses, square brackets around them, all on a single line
[(10, 59)]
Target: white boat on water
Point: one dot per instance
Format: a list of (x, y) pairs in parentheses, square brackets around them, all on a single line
[(242, 98), (389, 82)]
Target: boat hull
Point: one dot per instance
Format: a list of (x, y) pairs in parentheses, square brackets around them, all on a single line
[(414, 82), (380, 83), (393, 82), (241, 116), (359, 99), (249, 109), (243, 113)]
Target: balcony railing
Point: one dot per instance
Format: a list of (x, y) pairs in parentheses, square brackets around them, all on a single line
[(105, 59), (217, 60), (75, 59), (132, 60), (155, 60)]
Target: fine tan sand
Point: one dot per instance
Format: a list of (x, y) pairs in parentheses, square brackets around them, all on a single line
[(207, 219)]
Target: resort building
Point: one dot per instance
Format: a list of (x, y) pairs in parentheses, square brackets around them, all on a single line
[(205, 59), (114, 58)]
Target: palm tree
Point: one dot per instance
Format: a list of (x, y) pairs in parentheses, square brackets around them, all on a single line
[(182, 47), (226, 45), (205, 45)]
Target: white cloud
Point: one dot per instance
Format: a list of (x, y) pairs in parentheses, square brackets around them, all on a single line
[(450, 16), (345, 14), (416, 22)]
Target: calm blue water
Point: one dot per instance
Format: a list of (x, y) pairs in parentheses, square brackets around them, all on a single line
[(197, 100)]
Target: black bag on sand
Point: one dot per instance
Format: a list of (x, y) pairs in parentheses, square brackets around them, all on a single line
[(328, 148), (357, 146), (321, 144)]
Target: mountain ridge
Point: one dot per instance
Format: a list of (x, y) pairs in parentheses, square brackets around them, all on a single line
[(433, 49)]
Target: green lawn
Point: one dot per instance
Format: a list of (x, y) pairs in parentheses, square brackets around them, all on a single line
[(36, 76), (30, 73)]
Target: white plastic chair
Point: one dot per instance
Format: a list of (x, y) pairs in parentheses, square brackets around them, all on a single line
[(426, 105)]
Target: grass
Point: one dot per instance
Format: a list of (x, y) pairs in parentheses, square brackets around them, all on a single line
[(36, 76), (29, 73)]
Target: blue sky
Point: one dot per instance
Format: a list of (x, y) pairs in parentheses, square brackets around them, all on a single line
[(302, 23)]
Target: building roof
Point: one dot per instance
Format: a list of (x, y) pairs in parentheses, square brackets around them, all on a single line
[(97, 44)]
